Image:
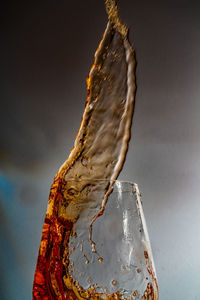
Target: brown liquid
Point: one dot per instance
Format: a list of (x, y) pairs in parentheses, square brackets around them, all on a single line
[(99, 152)]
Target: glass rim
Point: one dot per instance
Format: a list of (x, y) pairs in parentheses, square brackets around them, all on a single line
[(102, 179)]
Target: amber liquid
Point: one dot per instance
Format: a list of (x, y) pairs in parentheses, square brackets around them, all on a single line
[(52, 277), (53, 259), (52, 280)]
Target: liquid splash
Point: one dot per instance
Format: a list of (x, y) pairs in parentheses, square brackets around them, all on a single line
[(99, 152)]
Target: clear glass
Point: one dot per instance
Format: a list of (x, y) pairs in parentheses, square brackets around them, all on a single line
[(122, 266)]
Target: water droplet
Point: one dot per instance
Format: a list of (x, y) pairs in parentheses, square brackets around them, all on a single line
[(100, 259)]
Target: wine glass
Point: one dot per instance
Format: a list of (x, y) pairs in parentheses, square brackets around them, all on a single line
[(113, 260)]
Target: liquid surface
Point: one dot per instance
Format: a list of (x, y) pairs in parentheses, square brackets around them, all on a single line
[(99, 152)]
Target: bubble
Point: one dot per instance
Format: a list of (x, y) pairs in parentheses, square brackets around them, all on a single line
[(114, 282)]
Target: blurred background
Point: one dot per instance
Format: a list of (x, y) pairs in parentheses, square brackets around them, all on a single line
[(47, 49)]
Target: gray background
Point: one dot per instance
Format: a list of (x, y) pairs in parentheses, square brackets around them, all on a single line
[(47, 49)]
